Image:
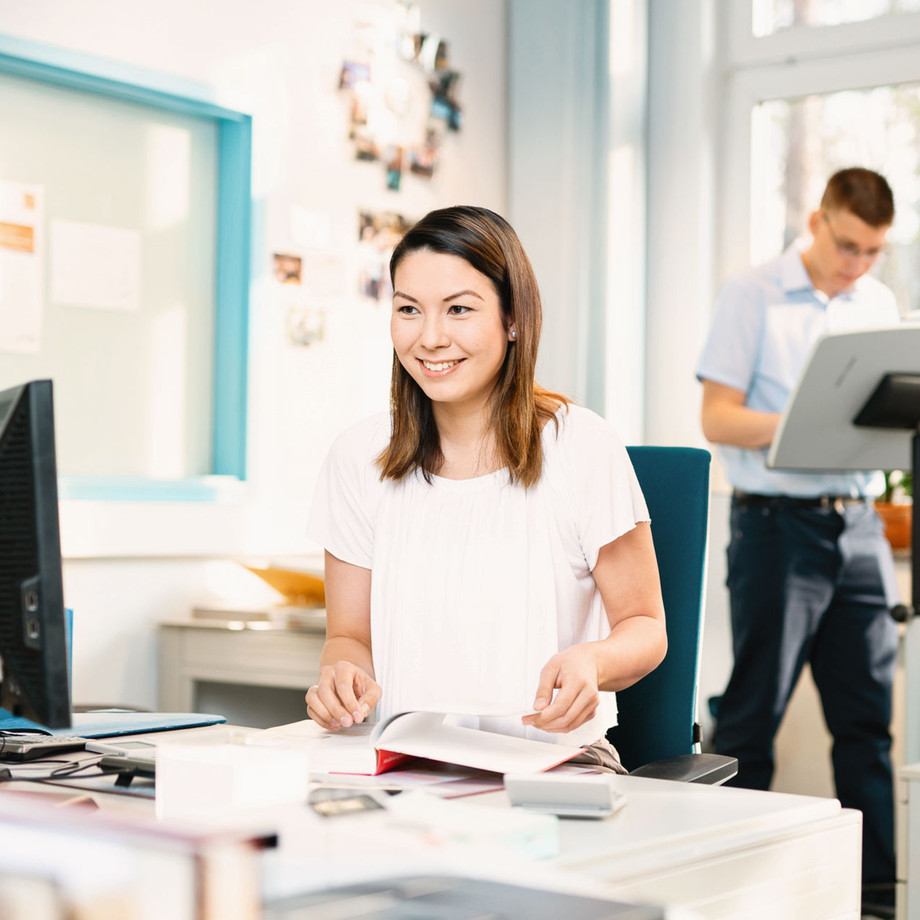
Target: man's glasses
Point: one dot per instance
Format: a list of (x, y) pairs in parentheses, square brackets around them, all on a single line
[(850, 250)]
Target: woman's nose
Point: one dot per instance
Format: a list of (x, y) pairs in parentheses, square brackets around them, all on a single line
[(434, 333)]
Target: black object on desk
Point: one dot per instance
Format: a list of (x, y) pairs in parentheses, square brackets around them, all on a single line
[(21, 746), (128, 758)]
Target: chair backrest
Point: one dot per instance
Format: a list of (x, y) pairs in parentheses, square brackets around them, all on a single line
[(656, 716)]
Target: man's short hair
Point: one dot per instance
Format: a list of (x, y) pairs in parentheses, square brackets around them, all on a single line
[(863, 192)]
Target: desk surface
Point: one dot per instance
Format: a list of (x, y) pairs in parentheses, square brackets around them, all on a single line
[(723, 853)]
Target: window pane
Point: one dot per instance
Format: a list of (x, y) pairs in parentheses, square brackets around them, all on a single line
[(133, 377), (796, 144), (771, 16)]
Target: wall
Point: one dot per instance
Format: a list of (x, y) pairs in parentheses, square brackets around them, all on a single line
[(280, 62)]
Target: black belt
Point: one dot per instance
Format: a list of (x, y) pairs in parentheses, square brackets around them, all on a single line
[(826, 502)]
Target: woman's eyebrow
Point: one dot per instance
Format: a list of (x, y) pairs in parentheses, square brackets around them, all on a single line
[(445, 300), (462, 294)]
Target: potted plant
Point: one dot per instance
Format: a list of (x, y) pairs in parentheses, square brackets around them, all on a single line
[(895, 507)]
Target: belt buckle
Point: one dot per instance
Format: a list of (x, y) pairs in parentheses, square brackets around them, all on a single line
[(833, 503)]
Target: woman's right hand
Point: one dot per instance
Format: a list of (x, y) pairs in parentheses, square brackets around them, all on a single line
[(344, 695)]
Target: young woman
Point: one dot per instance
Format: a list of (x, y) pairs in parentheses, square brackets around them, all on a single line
[(487, 544)]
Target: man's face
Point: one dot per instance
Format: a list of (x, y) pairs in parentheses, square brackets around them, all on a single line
[(844, 248)]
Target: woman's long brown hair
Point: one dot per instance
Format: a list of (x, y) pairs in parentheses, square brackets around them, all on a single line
[(520, 408)]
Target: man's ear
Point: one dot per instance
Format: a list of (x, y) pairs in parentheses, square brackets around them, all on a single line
[(814, 222)]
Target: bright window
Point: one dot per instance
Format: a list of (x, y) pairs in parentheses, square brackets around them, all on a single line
[(797, 143), (771, 16)]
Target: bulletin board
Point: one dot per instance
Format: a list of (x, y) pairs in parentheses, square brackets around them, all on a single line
[(122, 222)]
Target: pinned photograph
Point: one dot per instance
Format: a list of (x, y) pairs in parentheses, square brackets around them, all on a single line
[(286, 268), (378, 235), (305, 326), (366, 147), (444, 102), (394, 162), (353, 73), (423, 160)]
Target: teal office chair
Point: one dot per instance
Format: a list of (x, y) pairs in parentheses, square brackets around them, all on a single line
[(657, 733)]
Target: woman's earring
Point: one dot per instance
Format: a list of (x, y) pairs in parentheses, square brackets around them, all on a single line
[(514, 333)]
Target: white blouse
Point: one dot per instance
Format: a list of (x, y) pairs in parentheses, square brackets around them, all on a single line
[(477, 583)]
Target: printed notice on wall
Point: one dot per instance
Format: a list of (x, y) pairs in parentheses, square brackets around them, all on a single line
[(95, 266), (20, 267)]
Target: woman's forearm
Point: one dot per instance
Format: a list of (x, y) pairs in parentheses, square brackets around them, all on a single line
[(634, 648), (346, 648)]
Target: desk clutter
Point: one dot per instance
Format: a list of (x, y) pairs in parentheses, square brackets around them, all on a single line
[(212, 786), (238, 824)]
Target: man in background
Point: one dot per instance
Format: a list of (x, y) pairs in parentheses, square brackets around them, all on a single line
[(810, 575)]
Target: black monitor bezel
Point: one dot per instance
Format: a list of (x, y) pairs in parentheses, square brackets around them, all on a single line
[(33, 644)]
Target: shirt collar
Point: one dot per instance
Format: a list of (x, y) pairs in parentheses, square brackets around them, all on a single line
[(792, 270), (795, 277)]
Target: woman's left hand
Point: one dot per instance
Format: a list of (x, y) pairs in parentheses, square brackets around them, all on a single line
[(573, 674), (626, 574)]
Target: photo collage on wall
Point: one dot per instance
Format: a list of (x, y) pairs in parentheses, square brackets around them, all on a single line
[(402, 95)]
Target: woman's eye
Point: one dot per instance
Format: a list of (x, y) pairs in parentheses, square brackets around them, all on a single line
[(406, 309), (458, 309)]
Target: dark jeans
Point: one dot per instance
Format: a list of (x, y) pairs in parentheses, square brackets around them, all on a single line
[(813, 584)]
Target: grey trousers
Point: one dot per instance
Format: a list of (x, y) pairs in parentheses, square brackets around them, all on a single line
[(602, 755)]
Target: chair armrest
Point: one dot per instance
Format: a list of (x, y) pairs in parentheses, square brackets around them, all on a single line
[(712, 769)]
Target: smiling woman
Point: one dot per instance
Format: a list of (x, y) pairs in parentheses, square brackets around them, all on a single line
[(487, 543)]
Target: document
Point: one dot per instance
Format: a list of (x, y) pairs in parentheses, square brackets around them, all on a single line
[(372, 749), (21, 267)]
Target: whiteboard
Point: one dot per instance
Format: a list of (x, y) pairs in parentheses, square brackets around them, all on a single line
[(133, 387)]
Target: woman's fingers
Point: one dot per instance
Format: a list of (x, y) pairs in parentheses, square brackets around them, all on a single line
[(344, 695)]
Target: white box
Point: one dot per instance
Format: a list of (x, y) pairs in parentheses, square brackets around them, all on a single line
[(195, 781)]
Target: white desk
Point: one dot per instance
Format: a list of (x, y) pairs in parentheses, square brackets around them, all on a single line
[(709, 853), (723, 853), (720, 854)]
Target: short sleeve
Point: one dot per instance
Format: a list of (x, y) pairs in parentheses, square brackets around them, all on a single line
[(347, 491), (607, 498), (730, 353)]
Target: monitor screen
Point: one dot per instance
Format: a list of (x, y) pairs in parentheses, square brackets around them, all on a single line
[(34, 681)]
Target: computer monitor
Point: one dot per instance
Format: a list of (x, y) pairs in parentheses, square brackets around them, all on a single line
[(34, 682)]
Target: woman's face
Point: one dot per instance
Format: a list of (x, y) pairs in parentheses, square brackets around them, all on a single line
[(447, 328)]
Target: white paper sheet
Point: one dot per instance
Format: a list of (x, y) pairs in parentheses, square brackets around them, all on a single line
[(21, 258)]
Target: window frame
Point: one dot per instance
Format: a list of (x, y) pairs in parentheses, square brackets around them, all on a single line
[(114, 80)]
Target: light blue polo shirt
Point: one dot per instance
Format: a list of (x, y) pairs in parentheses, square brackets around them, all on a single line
[(764, 326)]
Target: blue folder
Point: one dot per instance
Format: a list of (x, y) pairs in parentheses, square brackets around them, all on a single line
[(105, 723)]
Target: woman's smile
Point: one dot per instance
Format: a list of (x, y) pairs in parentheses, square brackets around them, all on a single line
[(440, 367)]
